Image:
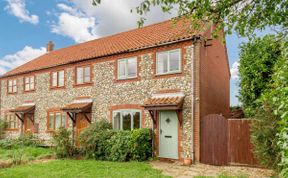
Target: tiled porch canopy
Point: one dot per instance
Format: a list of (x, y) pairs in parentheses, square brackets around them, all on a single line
[(167, 101), (24, 109), (80, 105)]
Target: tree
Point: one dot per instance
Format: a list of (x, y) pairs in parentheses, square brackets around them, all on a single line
[(243, 16), (257, 59)]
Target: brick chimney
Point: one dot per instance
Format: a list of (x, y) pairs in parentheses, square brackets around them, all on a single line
[(50, 46)]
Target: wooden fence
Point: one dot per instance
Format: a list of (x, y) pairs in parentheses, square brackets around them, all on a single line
[(226, 141)]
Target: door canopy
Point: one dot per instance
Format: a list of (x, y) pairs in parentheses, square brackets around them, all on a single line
[(26, 108)]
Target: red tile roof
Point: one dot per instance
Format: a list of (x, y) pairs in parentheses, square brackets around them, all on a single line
[(164, 101), (23, 109), (149, 36), (78, 106)]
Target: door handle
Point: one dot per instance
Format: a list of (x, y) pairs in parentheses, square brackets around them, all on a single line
[(160, 131), (168, 136)]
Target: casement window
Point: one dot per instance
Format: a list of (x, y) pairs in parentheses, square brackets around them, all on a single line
[(83, 75), (12, 86), (58, 79), (29, 83), (11, 121), (127, 68), (56, 120), (168, 62), (126, 119)]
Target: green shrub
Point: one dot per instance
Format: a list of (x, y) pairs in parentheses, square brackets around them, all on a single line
[(118, 148), (141, 144), (23, 140), (99, 142), (2, 128), (63, 144)]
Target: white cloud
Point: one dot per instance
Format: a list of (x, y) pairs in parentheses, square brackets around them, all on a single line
[(235, 70), (11, 61), (81, 21), (18, 9)]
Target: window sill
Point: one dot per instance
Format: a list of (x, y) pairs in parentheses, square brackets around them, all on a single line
[(50, 131), (167, 75), (57, 88), (29, 91), (14, 93), (127, 80), (83, 84)]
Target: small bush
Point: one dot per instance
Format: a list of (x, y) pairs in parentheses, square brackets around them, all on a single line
[(24, 140), (99, 142), (2, 128), (119, 146), (63, 143), (141, 144)]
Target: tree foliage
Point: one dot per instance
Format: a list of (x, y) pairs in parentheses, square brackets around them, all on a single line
[(243, 16), (257, 59)]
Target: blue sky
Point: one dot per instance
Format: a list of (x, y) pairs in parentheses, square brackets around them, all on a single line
[(28, 25)]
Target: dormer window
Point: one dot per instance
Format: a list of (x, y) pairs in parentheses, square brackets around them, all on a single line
[(29, 83), (12, 86)]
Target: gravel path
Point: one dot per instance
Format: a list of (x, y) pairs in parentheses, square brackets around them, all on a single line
[(177, 170)]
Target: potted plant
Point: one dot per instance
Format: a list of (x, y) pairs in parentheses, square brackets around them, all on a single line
[(187, 159)]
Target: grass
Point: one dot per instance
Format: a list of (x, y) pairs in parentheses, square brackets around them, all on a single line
[(82, 169), (26, 153)]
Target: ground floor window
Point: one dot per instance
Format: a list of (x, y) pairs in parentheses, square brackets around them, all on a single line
[(56, 120), (11, 121), (126, 119)]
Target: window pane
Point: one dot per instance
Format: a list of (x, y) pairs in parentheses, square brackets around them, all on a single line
[(54, 79), (10, 83), (116, 120), (32, 83), (136, 120), (87, 74), (51, 121), (121, 69), (126, 120), (15, 121), (9, 89), (14, 82), (58, 120), (61, 78), (132, 67), (26, 80), (162, 63), (63, 120), (79, 75), (15, 88), (174, 58), (27, 86)]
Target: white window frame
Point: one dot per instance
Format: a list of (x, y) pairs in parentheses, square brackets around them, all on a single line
[(168, 62), (126, 68), (121, 117), (12, 86)]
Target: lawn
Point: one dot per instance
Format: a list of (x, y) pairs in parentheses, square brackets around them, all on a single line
[(82, 169), (25, 153)]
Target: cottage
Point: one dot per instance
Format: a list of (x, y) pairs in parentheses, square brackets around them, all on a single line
[(163, 76)]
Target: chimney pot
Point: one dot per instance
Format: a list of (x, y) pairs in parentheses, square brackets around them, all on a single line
[(50, 46)]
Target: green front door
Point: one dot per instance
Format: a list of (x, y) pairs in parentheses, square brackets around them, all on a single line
[(168, 135)]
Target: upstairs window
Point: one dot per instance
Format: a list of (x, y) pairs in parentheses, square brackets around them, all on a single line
[(83, 75), (12, 86), (127, 68), (58, 79), (126, 119), (11, 121), (168, 62), (56, 120), (29, 83)]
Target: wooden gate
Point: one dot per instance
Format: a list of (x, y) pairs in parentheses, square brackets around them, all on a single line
[(214, 140), (239, 144), (226, 141)]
